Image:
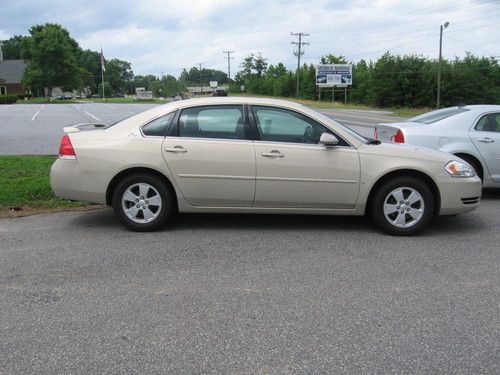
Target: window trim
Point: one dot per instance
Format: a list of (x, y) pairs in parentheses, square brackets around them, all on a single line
[(174, 130), (476, 122), (257, 134), (156, 118)]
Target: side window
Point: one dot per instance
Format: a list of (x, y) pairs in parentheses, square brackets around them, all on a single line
[(158, 127), (221, 121), (489, 123), (281, 125)]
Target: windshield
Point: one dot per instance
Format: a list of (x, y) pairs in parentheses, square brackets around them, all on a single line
[(440, 114)]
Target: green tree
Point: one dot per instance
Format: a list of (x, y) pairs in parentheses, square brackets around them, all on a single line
[(119, 74), (12, 47), (90, 62), (52, 58)]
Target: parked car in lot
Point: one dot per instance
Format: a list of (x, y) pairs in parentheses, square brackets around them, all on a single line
[(219, 93), (471, 132), (254, 155)]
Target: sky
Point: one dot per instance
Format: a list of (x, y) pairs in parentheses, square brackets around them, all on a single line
[(163, 36)]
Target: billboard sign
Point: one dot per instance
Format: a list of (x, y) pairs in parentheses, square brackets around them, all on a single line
[(213, 84), (330, 75)]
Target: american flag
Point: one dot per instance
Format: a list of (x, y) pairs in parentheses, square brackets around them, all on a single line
[(103, 62)]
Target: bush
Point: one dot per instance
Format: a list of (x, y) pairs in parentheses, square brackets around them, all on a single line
[(8, 99), (22, 96)]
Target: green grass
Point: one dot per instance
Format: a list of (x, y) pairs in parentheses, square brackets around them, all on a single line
[(25, 187), (45, 101), (124, 100)]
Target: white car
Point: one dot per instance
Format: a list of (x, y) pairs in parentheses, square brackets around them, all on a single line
[(252, 155), (470, 132)]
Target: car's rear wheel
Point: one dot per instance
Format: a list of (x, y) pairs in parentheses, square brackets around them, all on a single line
[(403, 206), (142, 202)]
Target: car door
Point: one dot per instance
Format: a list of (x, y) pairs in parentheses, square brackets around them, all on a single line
[(486, 137), (211, 156), (294, 171)]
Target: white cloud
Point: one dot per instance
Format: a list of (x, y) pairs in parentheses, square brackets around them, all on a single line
[(166, 36)]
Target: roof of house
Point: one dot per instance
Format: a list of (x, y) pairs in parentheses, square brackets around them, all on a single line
[(11, 71)]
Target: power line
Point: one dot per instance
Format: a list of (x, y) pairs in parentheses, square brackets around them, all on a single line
[(299, 53), (229, 58)]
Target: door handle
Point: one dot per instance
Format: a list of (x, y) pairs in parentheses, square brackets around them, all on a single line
[(273, 154), (176, 149), (486, 140)]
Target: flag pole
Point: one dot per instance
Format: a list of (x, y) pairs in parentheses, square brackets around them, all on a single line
[(102, 74)]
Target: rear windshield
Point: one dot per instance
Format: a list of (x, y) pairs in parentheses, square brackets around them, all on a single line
[(440, 114)]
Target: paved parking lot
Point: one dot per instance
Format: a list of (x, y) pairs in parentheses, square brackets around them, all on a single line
[(33, 129), (249, 294)]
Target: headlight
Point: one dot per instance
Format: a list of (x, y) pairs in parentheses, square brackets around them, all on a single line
[(459, 169)]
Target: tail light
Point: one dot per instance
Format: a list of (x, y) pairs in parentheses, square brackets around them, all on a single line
[(66, 150), (399, 137)]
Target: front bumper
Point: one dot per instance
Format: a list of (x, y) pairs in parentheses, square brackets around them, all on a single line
[(459, 195)]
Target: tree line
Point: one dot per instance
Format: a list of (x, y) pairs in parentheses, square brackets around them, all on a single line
[(54, 59), (390, 81)]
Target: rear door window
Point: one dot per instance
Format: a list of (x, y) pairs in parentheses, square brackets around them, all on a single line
[(489, 123), (222, 122)]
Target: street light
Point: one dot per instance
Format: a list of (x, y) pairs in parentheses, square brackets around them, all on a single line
[(441, 28)]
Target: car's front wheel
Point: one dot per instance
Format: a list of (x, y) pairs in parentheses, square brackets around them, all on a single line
[(403, 206), (142, 202)]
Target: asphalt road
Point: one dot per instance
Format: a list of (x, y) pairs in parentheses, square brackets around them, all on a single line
[(249, 294), (34, 129)]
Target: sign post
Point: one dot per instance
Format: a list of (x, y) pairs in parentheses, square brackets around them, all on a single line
[(334, 75)]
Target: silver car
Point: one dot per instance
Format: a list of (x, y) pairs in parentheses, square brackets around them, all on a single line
[(470, 132), (253, 155)]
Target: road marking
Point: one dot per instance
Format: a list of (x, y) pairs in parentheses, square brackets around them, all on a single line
[(36, 114), (6, 107), (91, 115)]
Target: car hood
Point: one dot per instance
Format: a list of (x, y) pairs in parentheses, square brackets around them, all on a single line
[(399, 151)]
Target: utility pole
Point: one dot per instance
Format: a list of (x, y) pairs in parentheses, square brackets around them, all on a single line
[(201, 82), (441, 28), (229, 58), (299, 53)]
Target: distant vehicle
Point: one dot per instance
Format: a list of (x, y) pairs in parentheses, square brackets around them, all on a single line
[(471, 132), (255, 155), (178, 97), (95, 96), (119, 95), (219, 93)]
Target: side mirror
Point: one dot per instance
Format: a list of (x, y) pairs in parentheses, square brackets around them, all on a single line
[(328, 139)]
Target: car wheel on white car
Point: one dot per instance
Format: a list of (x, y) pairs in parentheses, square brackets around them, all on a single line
[(143, 203), (403, 206)]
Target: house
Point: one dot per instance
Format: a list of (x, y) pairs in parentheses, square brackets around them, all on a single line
[(11, 72)]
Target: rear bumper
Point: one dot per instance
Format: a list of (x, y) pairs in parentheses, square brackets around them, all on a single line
[(459, 195), (69, 181)]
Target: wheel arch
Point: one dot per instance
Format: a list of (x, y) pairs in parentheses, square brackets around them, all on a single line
[(136, 170), (467, 155), (406, 173)]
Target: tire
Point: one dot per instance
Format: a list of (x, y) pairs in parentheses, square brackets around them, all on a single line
[(142, 203), (474, 164), (386, 210)]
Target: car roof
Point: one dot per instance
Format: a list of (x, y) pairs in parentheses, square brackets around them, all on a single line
[(483, 107), (236, 100)]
